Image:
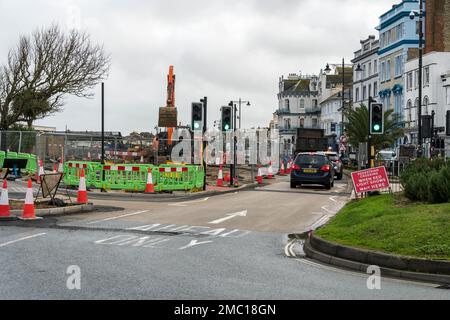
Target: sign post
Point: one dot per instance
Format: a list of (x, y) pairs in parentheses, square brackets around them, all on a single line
[(368, 180)]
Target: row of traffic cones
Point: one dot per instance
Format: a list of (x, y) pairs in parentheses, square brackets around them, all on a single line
[(28, 211)]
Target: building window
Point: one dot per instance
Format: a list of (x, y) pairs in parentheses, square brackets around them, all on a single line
[(315, 103), (409, 81), (397, 104), (370, 69), (315, 123), (286, 104), (425, 105), (357, 94), (375, 66), (426, 78), (302, 103), (388, 70), (398, 66), (364, 95), (375, 89), (370, 90), (416, 79), (409, 113), (382, 72), (302, 123), (447, 94)]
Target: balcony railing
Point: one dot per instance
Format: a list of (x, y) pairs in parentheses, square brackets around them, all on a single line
[(293, 128)]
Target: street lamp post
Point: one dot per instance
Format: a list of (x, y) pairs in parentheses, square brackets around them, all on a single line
[(232, 104), (412, 15), (327, 69)]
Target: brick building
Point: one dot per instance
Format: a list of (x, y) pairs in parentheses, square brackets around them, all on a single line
[(437, 26)]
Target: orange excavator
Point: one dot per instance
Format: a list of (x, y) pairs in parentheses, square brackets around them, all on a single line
[(170, 99)]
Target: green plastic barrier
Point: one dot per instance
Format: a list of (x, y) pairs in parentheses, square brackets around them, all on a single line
[(31, 163), (133, 177)]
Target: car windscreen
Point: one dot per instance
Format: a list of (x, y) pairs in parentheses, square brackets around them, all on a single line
[(306, 159), (333, 157)]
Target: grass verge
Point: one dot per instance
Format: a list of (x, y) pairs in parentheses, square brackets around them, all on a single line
[(393, 225)]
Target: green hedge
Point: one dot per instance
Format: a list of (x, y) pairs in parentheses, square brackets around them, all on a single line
[(427, 180)]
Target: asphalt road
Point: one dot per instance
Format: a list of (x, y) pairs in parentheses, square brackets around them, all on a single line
[(232, 246)]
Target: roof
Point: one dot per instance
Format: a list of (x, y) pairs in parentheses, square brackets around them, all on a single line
[(297, 86)]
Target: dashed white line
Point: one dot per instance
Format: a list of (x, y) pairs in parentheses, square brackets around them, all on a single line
[(21, 239), (118, 217)]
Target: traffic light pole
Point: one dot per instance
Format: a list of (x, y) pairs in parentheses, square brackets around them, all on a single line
[(234, 146), (369, 135), (205, 113)]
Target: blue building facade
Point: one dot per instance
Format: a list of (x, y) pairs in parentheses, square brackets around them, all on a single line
[(399, 39)]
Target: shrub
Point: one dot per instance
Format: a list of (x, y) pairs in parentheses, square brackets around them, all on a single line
[(439, 186), (416, 187)]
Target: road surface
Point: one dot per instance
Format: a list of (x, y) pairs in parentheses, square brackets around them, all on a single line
[(232, 246)]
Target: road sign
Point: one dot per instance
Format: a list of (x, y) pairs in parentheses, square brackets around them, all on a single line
[(370, 180)]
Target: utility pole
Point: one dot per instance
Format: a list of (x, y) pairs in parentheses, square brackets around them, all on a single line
[(419, 136), (205, 113), (343, 96), (103, 123)]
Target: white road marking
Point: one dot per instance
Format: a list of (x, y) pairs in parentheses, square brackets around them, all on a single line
[(194, 243), (230, 216), (287, 252), (118, 217), (361, 274), (186, 203), (320, 222), (21, 239), (333, 199), (327, 210)]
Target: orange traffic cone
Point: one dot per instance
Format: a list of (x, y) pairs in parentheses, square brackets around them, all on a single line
[(270, 172), (220, 177), (60, 166), (259, 177), (28, 208), (282, 172), (40, 172), (4, 202), (82, 193), (149, 188), (227, 178)]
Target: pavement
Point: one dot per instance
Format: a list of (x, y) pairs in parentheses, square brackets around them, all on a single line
[(230, 246)]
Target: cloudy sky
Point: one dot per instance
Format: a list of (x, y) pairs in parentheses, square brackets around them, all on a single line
[(222, 49)]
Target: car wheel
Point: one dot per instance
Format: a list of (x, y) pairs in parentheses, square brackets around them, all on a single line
[(328, 186), (293, 185)]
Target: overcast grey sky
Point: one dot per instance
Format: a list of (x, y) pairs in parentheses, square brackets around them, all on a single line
[(222, 49)]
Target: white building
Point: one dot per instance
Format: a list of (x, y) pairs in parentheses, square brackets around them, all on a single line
[(435, 93), (365, 82), (298, 107), (330, 100)]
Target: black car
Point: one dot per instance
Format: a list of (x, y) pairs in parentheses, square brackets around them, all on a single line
[(312, 168)]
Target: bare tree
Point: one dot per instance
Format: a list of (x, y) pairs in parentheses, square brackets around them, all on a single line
[(45, 67)]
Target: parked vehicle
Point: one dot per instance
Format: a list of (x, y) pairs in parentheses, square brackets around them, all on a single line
[(336, 162), (386, 155), (312, 168)]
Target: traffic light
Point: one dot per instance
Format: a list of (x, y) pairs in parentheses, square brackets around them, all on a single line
[(376, 114), (197, 116), (227, 123), (447, 124), (427, 127)]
